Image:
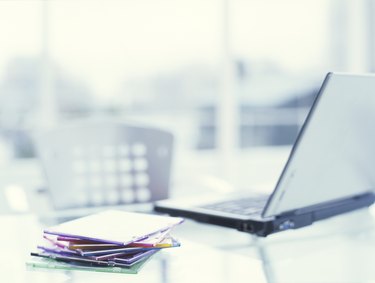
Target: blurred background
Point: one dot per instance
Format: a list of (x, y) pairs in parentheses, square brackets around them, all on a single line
[(233, 80)]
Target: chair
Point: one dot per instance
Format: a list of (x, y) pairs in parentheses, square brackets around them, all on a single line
[(4, 203), (99, 164)]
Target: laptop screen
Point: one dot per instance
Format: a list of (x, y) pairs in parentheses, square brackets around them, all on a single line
[(334, 155)]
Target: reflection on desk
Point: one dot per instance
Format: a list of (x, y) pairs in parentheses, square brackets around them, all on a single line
[(339, 249)]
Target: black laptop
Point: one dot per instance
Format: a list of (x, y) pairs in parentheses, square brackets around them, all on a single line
[(330, 170)]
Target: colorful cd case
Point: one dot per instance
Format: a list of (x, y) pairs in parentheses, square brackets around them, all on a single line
[(88, 244)]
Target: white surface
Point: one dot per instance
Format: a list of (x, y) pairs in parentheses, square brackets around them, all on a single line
[(340, 249), (192, 262)]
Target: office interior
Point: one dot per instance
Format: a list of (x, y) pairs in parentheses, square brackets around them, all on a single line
[(231, 80)]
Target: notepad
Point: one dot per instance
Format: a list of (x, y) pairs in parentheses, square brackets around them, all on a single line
[(115, 226)]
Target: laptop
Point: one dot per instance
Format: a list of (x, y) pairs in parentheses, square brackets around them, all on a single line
[(330, 169)]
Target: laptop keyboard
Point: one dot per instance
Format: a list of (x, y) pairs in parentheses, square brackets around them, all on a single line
[(243, 206)]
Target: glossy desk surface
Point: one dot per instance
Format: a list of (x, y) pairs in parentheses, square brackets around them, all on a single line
[(340, 249)]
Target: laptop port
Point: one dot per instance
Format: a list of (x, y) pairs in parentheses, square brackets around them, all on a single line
[(247, 227), (288, 224)]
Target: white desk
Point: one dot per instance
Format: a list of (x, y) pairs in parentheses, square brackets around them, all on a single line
[(192, 262), (341, 249)]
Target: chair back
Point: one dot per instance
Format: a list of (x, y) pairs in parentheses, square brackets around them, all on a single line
[(105, 164)]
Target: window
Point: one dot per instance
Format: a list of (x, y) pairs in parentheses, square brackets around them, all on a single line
[(241, 71)]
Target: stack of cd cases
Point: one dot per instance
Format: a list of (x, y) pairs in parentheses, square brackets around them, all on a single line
[(111, 241)]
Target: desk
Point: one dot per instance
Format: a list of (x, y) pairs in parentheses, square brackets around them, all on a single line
[(340, 249), (192, 262)]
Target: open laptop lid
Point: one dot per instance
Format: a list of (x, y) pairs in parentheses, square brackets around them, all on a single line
[(334, 154)]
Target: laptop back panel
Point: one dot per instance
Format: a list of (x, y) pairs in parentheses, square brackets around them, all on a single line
[(334, 153)]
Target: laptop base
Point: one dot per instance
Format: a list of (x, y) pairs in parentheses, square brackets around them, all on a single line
[(264, 227)]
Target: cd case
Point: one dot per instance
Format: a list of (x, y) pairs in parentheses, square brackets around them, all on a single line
[(37, 263), (115, 227), (111, 241)]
